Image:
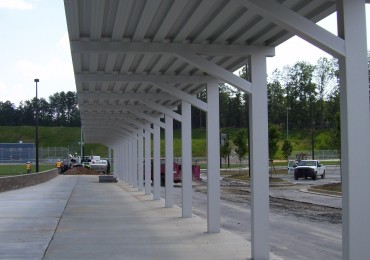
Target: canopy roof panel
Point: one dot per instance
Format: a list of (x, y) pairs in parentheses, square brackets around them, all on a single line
[(128, 54)]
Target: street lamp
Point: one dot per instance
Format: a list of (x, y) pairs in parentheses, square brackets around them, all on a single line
[(37, 129), (287, 122)]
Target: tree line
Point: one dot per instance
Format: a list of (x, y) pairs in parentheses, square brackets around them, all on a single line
[(302, 96), (61, 109)]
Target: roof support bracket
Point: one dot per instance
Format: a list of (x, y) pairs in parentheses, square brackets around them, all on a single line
[(216, 71), (297, 24)]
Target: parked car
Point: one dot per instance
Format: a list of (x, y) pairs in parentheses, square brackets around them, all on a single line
[(309, 168)]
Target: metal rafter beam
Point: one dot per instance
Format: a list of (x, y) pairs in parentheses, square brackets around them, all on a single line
[(121, 118), (163, 48), (125, 122), (103, 108), (297, 24), (121, 96), (103, 136), (141, 98), (140, 78), (149, 118), (183, 95), (216, 71), (102, 131), (104, 124)]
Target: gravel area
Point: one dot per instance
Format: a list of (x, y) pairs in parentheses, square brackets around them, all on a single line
[(239, 192)]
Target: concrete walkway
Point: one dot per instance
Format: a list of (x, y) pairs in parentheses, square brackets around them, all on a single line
[(76, 217)]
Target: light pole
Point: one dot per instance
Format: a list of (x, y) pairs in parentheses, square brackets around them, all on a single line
[(37, 129), (287, 122)]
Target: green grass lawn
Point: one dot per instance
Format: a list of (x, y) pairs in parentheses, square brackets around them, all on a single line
[(16, 169), (336, 187), (243, 175), (70, 137)]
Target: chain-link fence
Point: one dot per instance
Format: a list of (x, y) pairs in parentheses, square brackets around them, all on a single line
[(318, 155), (14, 153), (321, 155)]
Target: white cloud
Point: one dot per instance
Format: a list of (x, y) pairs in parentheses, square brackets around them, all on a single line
[(55, 75), (8, 92), (15, 4)]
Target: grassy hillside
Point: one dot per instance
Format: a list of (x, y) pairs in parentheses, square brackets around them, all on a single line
[(70, 137), (50, 137)]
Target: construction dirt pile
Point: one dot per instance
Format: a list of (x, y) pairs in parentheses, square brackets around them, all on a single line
[(80, 171)]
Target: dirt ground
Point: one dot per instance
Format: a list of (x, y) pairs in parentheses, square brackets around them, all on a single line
[(80, 171), (239, 192)]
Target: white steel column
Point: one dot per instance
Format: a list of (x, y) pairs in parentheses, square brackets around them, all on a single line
[(120, 162), (134, 162), (169, 162), (186, 160), (355, 131), (110, 155), (124, 163), (156, 162), (129, 156), (259, 158), (140, 162), (115, 160), (147, 163), (213, 158), (126, 167)]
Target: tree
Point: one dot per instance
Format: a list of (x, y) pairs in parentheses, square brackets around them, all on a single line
[(273, 141), (287, 148), (7, 113), (300, 91), (70, 103), (225, 95), (325, 75), (240, 142), (335, 133), (225, 149), (198, 116), (277, 104)]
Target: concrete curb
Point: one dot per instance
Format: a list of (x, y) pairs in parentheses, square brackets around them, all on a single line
[(322, 192), (26, 180)]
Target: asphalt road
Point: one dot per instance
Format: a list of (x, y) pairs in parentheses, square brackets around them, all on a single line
[(297, 231)]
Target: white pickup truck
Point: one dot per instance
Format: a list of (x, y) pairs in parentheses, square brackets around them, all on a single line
[(308, 168)]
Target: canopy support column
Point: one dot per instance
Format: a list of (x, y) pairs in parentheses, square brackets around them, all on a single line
[(355, 130), (134, 162), (120, 161), (130, 160), (169, 162), (126, 162), (140, 162), (156, 163), (147, 163), (213, 158), (187, 190), (259, 158)]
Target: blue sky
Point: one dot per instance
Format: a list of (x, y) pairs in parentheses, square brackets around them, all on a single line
[(34, 44)]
